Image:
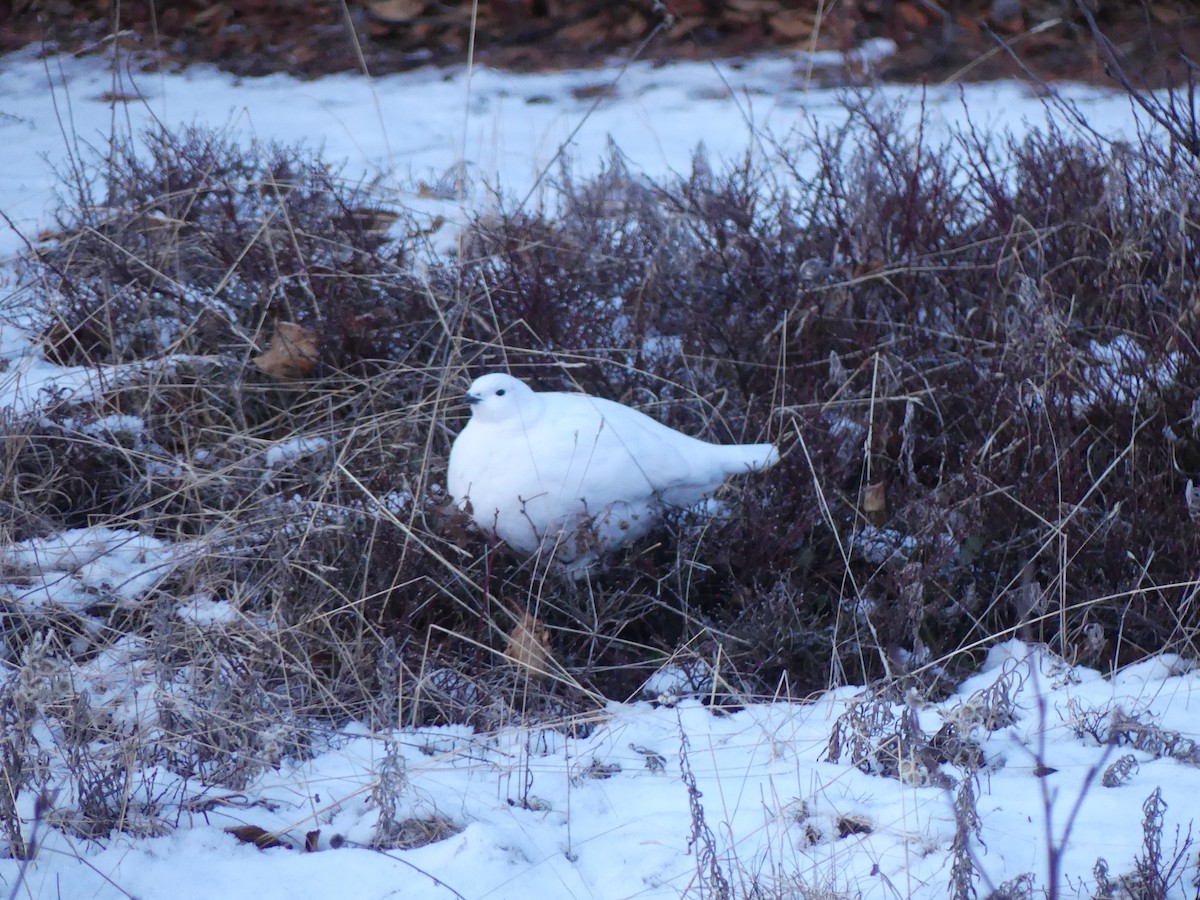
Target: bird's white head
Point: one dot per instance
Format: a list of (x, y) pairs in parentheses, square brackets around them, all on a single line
[(498, 397)]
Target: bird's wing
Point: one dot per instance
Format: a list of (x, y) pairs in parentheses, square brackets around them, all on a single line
[(609, 452)]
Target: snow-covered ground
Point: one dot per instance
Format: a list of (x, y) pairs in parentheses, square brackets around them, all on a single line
[(532, 812), (502, 130)]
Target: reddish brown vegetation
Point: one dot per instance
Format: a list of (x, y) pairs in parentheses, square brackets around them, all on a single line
[(998, 367), (959, 38)]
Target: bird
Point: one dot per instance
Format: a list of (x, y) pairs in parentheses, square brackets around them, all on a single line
[(577, 476)]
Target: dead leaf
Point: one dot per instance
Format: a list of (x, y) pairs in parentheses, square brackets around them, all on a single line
[(208, 13), (683, 27), (588, 31), (120, 97), (875, 502), (968, 27), (293, 353), (259, 837), (428, 191), (867, 267), (127, 41), (793, 24), (631, 27), (396, 11), (1164, 14), (592, 91), (304, 54), (1010, 26), (373, 221), (913, 18), (529, 645), (311, 841), (752, 8), (435, 225), (364, 324)]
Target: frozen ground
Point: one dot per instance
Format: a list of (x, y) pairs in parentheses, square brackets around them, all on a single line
[(533, 812)]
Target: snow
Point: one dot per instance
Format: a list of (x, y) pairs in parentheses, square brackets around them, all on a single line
[(504, 130), (533, 810), (530, 810), (1122, 372), (28, 378), (283, 453), (83, 567)]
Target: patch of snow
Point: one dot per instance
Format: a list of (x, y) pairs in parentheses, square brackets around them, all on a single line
[(105, 425), (200, 609), (534, 810), (84, 567), (286, 452), (878, 545), (394, 501), (419, 130), (1121, 373), (679, 679)]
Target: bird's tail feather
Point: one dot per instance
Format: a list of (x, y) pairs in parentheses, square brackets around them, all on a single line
[(752, 457)]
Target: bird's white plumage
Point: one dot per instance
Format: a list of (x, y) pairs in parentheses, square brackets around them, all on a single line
[(578, 475)]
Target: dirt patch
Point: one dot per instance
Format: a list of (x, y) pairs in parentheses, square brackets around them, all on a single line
[(953, 40)]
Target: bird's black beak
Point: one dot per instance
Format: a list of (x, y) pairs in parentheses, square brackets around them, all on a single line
[(472, 399)]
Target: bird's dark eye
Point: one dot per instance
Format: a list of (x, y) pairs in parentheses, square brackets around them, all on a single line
[(500, 393)]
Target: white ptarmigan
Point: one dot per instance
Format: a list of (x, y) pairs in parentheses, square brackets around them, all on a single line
[(573, 475)]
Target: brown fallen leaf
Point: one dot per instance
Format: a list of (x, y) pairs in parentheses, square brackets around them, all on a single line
[(867, 267), (208, 13), (751, 8), (914, 18), (529, 645), (875, 502), (1167, 14), (592, 91), (120, 97), (358, 326), (259, 837), (793, 24), (373, 221), (293, 352), (396, 11), (435, 225), (585, 32), (427, 191)]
